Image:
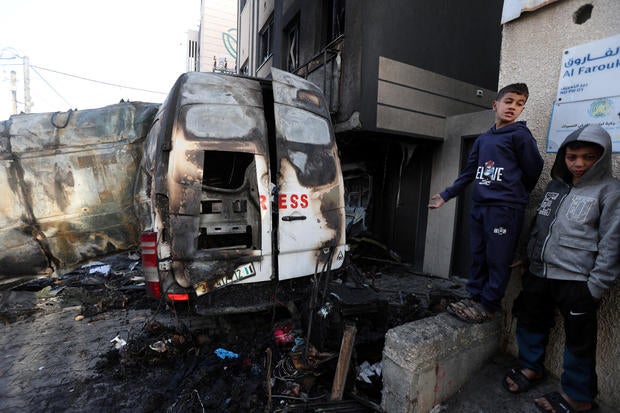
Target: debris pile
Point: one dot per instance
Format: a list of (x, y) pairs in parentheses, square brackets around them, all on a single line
[(225, 366), (322, 352), (95, 287)]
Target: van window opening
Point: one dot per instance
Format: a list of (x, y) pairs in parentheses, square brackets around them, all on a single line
[(225, 170), (228, 192)]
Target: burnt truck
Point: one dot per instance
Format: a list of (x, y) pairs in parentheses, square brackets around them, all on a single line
[(231, 181)]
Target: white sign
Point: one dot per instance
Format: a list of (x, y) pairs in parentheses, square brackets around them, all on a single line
[(567, 117), (590, 71)]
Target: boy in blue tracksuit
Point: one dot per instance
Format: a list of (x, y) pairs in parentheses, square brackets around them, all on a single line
[(574, 257), (504, 164)]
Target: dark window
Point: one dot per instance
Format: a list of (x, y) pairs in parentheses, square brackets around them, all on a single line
[(192, 56), (292, 49), (334, 11), (266, 41)]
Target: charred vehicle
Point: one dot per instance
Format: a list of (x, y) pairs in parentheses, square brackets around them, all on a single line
[(67, 182), (232, 180), (240, 183)]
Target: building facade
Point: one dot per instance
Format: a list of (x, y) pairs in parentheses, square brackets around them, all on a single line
[(213, 48)]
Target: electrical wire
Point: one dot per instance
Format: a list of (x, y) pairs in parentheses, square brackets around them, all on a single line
[(50, 86), (35, 67), (97, 81)]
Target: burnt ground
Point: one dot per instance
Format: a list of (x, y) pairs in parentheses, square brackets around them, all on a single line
[(91, 341)]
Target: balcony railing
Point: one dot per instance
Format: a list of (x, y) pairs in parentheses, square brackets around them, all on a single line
[(325, 70)]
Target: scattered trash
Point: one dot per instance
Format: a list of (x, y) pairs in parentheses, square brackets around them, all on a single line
[(299, 344), (366, 370), (158, 346), (225, 354), (295, 375), (283, 333), (300, 361), (118, 342), (55, 291), (134, 255), (324, 311), (438, 408), (98, 267), (195, 358)]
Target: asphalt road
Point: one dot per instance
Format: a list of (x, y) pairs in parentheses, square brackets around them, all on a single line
[(47, 361)]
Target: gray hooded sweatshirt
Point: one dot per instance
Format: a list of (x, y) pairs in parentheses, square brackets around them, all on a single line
[(576, 233)]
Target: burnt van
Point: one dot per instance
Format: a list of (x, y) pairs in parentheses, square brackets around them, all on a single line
[(240, 185)]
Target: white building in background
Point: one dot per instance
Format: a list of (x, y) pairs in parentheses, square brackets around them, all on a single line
[(214, 46)]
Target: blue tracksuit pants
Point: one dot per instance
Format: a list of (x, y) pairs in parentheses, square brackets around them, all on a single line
[(495, 231)]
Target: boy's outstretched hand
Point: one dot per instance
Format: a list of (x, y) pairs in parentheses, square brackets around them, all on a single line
[(436, 202)]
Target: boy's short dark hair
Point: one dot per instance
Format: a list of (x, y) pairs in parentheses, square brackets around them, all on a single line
[(518, 88)]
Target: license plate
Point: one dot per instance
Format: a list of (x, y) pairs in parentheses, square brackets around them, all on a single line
[(240, 273), (244, 271)]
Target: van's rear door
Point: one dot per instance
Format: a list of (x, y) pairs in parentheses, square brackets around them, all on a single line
[(310, 190), (217, 183)]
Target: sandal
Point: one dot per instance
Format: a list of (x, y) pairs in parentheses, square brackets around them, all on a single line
[(523, 382), (469, 311), (560, 405)]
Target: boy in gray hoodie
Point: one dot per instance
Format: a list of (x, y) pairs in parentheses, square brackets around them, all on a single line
[(574, 257)]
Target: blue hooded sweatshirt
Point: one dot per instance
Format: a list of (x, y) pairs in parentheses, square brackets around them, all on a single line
[(504, 164)]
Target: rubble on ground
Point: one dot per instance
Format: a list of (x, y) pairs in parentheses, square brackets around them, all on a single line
[(281, 359)]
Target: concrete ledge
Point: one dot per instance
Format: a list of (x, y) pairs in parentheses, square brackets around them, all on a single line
[(427, 361)]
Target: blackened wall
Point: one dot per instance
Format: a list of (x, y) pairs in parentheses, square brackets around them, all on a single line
[(457, 39)]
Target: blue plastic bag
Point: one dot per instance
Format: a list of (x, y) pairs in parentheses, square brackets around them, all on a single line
[(225, 354)]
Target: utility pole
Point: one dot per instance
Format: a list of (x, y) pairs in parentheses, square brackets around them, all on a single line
[(14, 92), (27, 99)]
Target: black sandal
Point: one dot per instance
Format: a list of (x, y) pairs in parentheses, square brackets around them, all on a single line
[(560, 405), (521, 380)]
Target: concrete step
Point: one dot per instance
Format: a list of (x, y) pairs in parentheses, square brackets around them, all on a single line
[(441, 364)]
